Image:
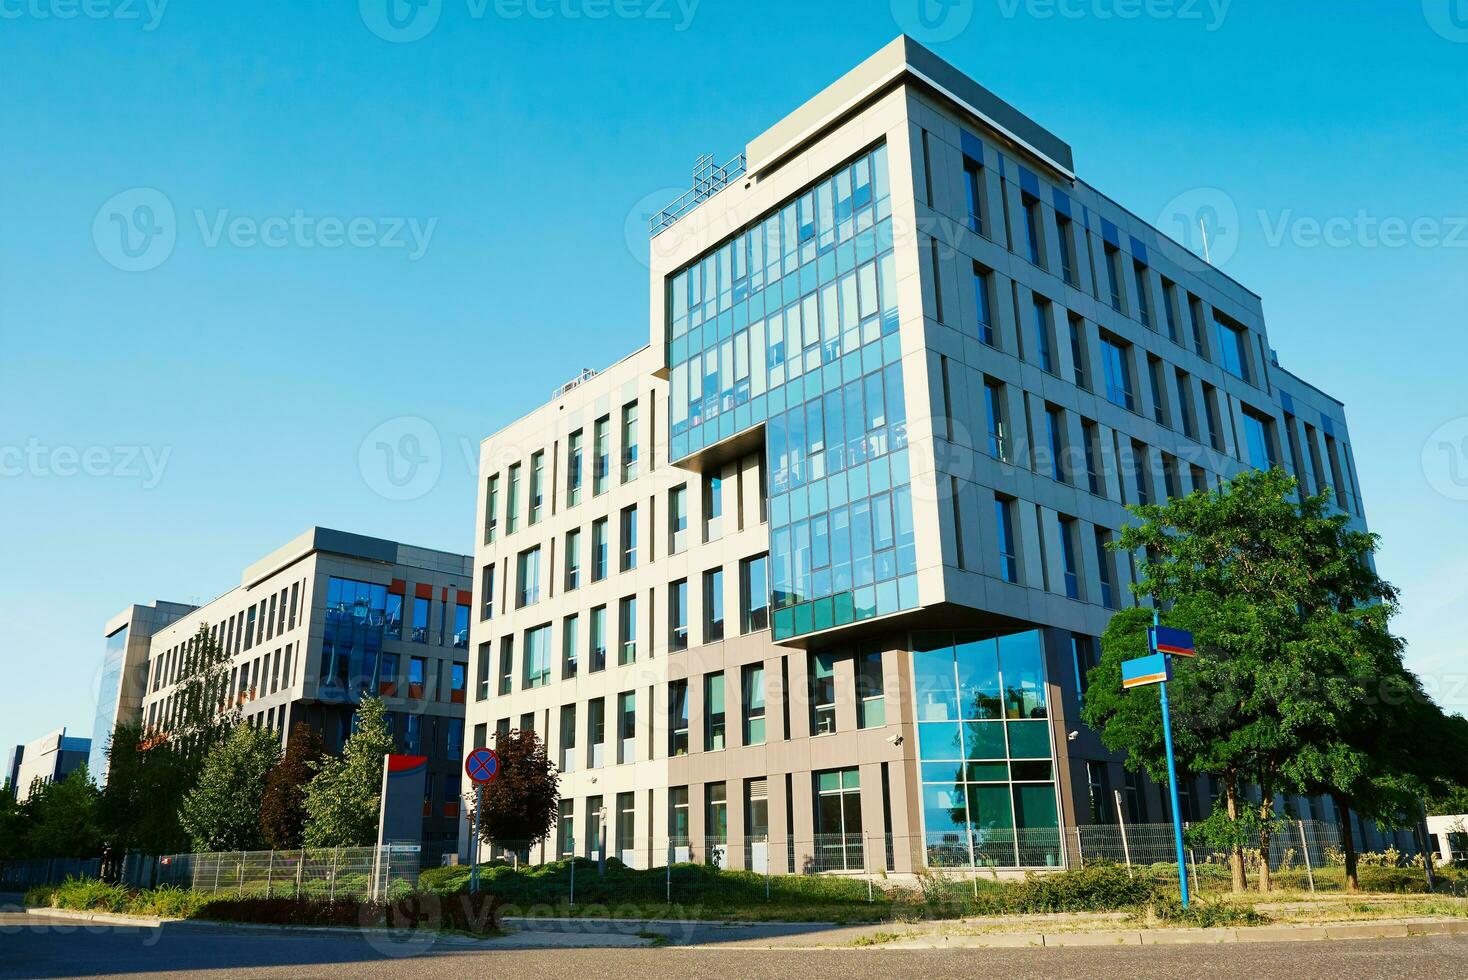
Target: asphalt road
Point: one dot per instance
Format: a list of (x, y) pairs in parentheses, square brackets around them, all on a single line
[(34, 947)]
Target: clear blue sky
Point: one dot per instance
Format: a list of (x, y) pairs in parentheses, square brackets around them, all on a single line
[(251, 373)]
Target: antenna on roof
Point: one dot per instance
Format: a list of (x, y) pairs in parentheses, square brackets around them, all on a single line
[(1207, 257)]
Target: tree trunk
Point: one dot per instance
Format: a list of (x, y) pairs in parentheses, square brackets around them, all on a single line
[(1348, 844), (1266, 817), (1235, 854)]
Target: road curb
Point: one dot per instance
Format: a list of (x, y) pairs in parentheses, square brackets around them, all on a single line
[(1399, 929), (101, 918)]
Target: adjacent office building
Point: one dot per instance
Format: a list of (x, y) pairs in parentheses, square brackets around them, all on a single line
[(813, 579), (125, 673), (50, 758), (321, 621)]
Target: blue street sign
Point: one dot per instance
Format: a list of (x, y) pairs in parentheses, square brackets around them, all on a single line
[(482, 765), (1167, 639), (1152, 669)]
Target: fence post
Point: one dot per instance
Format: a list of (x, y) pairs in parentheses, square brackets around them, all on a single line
[(300, 871), (218, 861), (1197, 889), (269, 872), (1080, 851), (769, 860), (1305, 847), (571, 843), (241, 888), (866, 864), (668, 875), (331, 893), (1126, 848)]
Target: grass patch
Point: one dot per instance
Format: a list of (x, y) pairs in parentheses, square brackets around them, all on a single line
[(653, 938), (1168, 910), (877, 939)]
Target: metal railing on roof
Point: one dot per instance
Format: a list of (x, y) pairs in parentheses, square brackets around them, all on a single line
[(708, 180), (586, 375)]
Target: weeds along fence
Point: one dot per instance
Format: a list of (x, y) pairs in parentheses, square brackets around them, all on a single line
[(322, 873)]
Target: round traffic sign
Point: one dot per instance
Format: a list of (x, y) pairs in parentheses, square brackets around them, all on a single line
[(482, 765)]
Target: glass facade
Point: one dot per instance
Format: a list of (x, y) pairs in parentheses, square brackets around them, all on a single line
[(985, 750), (110, 687), (351, 642), (793, 323)]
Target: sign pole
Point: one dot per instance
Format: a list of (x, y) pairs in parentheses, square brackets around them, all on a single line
[(474, 843), (1177, 816)]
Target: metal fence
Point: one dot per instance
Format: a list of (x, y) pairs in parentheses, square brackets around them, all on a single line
[(329, 873), (20, 875)]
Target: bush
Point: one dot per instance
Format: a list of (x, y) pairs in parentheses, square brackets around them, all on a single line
[(1207, 915), (90, 895)]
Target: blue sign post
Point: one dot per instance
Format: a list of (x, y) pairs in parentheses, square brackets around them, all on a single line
[(481, 765), (1156, 668)]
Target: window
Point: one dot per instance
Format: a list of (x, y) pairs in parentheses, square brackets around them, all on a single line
[(481, 673), (1142, 472), (574, 452), (1055, 437), (1104, 568), (565, 829), (626, 630), (678, 519), (507, 665), (1170, 481), (573, 559), (537, 656), (1004, 522), (752, 701), (1136, 800), (596, 734), (458, 682), (713, 507), (713, 712), (1083, 659), (678, 816), (1144, 302), (973, 184), (1154, 372), (629, 442), (626, 827), (601, 455), (599, 549), (461, 626), (1064, 233), (713, 605), (629, 538), (627, 727), (417, 671), (716, 815), (1210, 413), (984, 297), (838, 819), (1078, 353), (677, 718), (1114, 362), (757, 817), (1044, 340), (1068, 556), (994, 409), (537, 486), (1169, 308), (936, 267), (486, 592), (420, 620), (1098, 782), (598, 639), (1259, 437), (1233, 346), (512, 501), (754, 594), (822, 694), (1113, 275), (570, 629), (527, 577), (1031, 207), (491, 508), (678, 615), (871, 703), (1185, 404)]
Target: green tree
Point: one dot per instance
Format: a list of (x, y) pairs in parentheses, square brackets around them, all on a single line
[(222, 811), (146, 785), (283, 807), (60, 818), (12, 824), (1281, 597), (522, 803), (343, 798)]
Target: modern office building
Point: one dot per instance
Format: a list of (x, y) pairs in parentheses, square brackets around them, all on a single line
[(323, 620), (124, 673), (812, 580), (50, 758)]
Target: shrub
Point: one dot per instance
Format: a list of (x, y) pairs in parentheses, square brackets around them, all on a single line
[(90, 895), (479, 914), (1169, 909)]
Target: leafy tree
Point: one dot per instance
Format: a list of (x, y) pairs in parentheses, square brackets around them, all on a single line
[(1282, 599), (221, 812), (202, 717), (60, 818), (146, 785), (343, 798), (12, 824), (283, 806), (522, 803), (1450, 802)]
